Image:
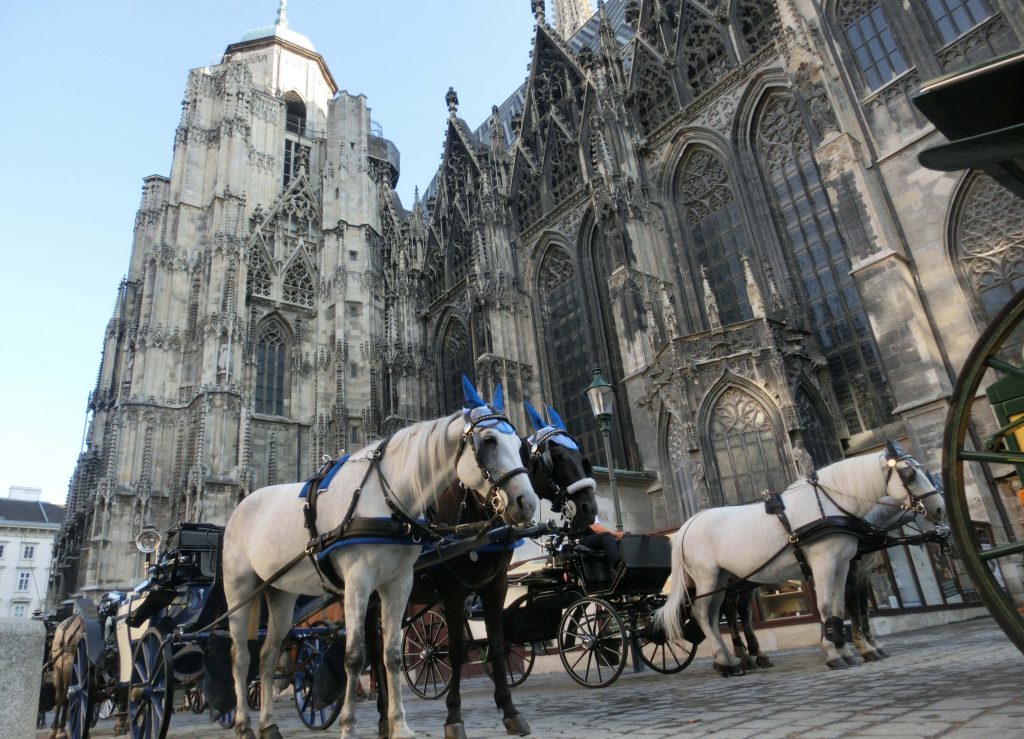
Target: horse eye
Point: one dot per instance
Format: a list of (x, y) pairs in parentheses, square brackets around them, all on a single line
[(490, 441)]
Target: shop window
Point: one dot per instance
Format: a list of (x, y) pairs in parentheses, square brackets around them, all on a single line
[(954, 18), (785, 600), (871, 42)]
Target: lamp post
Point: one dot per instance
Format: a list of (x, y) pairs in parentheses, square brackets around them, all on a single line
[(601, 395)]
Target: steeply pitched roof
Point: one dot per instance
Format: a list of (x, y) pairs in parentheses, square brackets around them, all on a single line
[(30, 511)]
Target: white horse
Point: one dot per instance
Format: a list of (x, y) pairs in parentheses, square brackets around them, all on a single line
[(266, 532), (747, 542)]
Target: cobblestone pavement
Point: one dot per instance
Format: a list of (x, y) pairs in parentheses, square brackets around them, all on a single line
[(958, 680)]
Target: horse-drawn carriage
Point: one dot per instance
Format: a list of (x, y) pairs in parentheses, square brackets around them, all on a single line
[(591, 612)]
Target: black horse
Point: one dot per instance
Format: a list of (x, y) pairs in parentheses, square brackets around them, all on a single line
[(559, 473)]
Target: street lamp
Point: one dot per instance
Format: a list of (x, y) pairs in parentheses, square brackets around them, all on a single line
[(601, 395)]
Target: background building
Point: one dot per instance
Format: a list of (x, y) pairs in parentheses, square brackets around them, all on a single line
[(27, 530), (718, 202)]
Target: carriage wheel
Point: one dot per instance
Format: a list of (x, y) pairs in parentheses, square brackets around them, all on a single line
[(425, 661), (80, 694), (519, 659), (592, 642), (195, 701), (308, 657), (977, 560), (253, 695), (655, 650), (151, 688)]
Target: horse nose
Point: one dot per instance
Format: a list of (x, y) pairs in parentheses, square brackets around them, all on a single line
[(526, 507)]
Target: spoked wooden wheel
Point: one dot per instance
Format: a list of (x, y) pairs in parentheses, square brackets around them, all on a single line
[(195, 701), (660, 654), (425, 661), (519, 659), (80, 694), (253, 694), (1000, 448), (309, 656), (151, 688), (592, 642)]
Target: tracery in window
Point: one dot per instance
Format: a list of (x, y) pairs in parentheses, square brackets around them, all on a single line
[(528, 201), (259, 272), (704, 55), (818, 257), (564, 168), (759, 23), (713, 218), (954, 18), (271, 348), (567, 347), (745, 452), (298, 285), (871, 41), (988, 238)]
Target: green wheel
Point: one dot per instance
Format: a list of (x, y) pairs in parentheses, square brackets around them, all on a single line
[(987, 360)]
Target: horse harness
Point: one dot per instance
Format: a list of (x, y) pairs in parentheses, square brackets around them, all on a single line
[(869, 537), (400, 527)]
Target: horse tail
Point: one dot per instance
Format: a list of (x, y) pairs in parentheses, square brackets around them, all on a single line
[(668, 617)]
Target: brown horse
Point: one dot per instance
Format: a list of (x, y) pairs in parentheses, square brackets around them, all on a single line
[(62, 652)]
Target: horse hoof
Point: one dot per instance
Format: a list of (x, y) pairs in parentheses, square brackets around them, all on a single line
[(871, 656), (882, 653), (853, 660), (737, 671), (383, 730), (516, 725), (748, 664), (722, 670), (455, 731), (837, 664), (764, 662), (270, 732)]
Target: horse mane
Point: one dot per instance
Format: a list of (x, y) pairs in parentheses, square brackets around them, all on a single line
[(857, 478), (419, 459)]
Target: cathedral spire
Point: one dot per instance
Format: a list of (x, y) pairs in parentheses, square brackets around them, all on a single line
[(570, 15)]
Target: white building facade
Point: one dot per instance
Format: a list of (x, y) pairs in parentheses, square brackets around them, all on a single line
[(28, 527)]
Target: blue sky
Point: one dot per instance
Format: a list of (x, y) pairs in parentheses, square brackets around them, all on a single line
[(92, 98)]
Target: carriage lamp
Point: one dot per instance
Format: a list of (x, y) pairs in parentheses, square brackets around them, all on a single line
[(601, 395), (148, 539)]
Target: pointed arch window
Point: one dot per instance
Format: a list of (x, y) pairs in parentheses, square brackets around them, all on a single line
[(746, 455), (271, 349), (567, 347), (871, 41), (712, 216), (456, 360), (818, 257), (988, 242), (298, 285)]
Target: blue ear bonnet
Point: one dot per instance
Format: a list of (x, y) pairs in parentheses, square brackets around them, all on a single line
[(556, 438), (471, 414)]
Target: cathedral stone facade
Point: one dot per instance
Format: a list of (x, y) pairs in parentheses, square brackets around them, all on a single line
[(717, 202)]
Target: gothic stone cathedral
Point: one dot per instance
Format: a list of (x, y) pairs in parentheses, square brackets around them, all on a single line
[(718, 202)]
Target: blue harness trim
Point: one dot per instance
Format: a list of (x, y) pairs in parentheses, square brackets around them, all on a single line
[(498, 547), (364, 540), (326, 481)]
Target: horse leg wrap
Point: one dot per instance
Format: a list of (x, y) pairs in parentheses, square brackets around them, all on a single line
[(516, 725), (270, 732), (834, 630)]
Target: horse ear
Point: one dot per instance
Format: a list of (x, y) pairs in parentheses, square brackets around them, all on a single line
[(470, 395), (556, 421), (498, 401), (533, 417)]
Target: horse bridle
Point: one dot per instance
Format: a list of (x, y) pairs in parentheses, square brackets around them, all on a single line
[(893, 456), (491, 496), (541, 454)]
